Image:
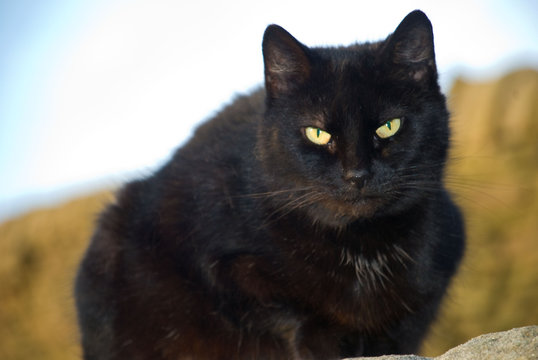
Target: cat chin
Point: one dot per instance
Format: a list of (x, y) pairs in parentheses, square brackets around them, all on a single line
[(339, 214)]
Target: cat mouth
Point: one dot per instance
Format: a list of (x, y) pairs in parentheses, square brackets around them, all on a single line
[(358, 198), (340, 211)]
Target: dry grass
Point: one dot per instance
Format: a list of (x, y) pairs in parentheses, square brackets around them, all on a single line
[(40, 253), (494, 176)]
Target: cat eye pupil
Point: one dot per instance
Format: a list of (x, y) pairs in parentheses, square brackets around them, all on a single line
[(317, 135), (388, 129)]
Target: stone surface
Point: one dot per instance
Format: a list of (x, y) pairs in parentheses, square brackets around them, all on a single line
[(515, 344)]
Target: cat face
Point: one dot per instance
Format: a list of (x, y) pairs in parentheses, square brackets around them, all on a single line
[(353, 132)]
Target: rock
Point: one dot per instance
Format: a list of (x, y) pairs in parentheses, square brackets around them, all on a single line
[(515, 344)]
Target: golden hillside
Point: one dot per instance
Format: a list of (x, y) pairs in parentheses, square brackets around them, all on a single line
[(40, 252), (493, 174)]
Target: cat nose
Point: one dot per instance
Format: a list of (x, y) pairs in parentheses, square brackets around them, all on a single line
[(356, 177)]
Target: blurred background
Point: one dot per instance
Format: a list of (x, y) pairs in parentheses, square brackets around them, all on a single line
[(95, 93)]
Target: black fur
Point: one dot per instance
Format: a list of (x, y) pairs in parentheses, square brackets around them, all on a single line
[(253, 242)]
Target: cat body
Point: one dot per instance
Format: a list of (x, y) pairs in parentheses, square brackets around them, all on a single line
[(259, 240)]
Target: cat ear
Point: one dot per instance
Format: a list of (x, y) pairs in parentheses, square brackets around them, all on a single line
[(286, 61), (411, 46)]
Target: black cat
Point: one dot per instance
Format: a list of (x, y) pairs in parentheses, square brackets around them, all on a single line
[(307, 220)]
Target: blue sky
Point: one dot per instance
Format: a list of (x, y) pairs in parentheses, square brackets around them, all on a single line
[(94, 92)]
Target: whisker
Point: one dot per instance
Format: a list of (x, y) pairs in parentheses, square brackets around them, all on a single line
[(293, 204), (268, 194), (304, 200)]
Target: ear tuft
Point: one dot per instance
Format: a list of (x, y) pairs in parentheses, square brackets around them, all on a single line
[(287, 65)]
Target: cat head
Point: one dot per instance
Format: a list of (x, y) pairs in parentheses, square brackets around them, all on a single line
[(353, 132)]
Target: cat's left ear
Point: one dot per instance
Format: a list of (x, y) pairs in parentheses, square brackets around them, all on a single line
[(411, 47), (287, 65)]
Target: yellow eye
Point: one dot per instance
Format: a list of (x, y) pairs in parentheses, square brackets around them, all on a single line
[(317, 136), (388, 129)]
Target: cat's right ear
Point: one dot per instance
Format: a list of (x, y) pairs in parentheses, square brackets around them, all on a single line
[(411, 47), (286, 61)]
